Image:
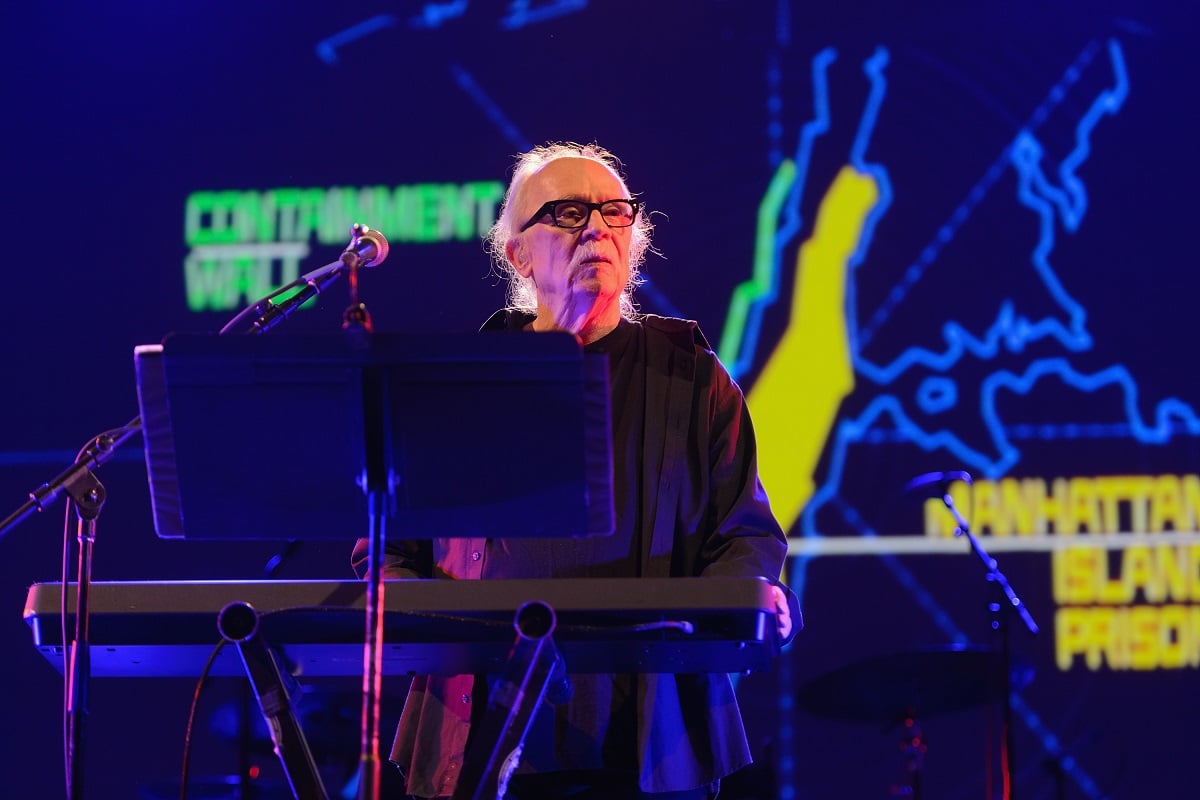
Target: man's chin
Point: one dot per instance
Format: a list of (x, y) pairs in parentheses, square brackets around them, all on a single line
[(589, 286), (598, 278), (593, 298)]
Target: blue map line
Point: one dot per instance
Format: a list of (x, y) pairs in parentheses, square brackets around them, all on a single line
[(1172, 416), (1118, 376), (783, 39), (1011, 332), (774, 111), (492, 111), (327, 48), (791, 223), (433, 15), (1053, 747), (1036, 193), (1109, 102), (660, 301), (785, 764), (858, 149), (851, 431), (520, 14), (791, 220), (936, 394), (974, 197), (1043, 431), (904, 577), (1082, 430)]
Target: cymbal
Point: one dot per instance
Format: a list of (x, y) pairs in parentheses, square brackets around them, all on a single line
[(920, 682)]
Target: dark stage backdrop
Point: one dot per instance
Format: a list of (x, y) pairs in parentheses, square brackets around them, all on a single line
[(923, 236)]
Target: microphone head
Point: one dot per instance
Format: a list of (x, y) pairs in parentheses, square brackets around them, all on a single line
[(368, 248), (381, 246), (379, 243)]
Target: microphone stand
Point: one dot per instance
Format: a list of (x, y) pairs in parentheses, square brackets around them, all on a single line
[(88, 495), (98, 452), (377, 481), (367, 248), (1010, 603)]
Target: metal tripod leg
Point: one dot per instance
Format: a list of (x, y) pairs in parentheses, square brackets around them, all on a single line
[(238, 623), (511, 705)]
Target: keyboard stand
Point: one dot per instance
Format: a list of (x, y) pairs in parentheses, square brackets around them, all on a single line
[(496, 747), (238, 624), (512, 703)]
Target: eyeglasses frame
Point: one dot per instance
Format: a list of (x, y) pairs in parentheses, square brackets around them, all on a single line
[(548, 208)]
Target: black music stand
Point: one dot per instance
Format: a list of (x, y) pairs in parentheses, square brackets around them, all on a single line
[(471, 435)]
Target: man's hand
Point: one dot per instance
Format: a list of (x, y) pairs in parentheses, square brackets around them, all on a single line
[(783, 614)]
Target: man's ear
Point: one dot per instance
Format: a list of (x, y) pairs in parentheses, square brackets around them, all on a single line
[(514, 251)]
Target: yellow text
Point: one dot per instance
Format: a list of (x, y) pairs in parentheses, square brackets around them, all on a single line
[(1139, 637), (1107, 504)]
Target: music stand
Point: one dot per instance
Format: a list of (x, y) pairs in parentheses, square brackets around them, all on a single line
[(304, 437)]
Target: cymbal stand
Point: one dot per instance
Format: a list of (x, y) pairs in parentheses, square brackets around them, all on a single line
[(912, 747), (1010, 603)]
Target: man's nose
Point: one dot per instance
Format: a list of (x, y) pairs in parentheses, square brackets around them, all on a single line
[(595, 226)]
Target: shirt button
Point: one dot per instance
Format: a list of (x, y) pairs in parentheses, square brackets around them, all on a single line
[(466, 698), (476, 555)]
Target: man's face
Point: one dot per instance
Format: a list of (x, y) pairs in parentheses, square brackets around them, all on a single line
[(579, 273)]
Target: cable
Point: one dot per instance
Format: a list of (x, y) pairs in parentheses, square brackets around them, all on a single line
[(62, 621), (255, 309), (187, 736)]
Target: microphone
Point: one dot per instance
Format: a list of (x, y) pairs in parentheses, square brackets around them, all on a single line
[(939, 478), (368, 248)]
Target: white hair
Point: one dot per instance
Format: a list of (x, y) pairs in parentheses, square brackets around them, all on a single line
[(522, 294)]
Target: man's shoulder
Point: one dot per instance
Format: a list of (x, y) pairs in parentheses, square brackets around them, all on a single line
[(682, 344), (507, 319), (683, 333)]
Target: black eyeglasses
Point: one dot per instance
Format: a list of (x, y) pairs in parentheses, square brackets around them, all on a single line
[(576, 213)]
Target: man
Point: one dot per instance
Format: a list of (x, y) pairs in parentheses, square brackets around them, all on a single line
[(686, 493)]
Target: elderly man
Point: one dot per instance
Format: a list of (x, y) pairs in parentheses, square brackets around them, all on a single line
[(686, 491)]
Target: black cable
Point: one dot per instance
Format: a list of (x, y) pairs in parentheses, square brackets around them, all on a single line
[(62, 621), (187, 736), (255, 309)]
